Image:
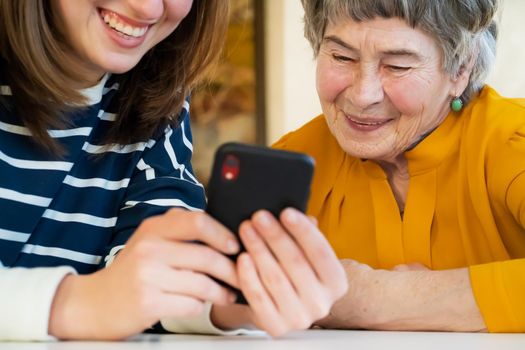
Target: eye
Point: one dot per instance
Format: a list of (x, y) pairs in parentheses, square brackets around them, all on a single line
[(398, 69), (342, 58)]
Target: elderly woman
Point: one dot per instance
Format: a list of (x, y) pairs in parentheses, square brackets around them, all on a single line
[(420, 180)]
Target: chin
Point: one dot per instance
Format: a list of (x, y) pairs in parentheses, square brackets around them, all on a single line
[(120, 66), (363, 151)]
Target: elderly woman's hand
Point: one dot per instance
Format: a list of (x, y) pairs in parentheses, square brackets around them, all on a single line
[(408, 297), (290, 275)]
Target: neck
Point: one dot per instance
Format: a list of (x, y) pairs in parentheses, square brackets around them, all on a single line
[(398, 178)]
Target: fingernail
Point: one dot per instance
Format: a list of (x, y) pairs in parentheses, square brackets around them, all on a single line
[(248, 233), (263, 218), (232, 246), (291, 215)]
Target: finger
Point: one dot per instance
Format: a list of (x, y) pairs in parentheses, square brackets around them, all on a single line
[(313, 220), (180, 224), (201, 258), (275, 280), (316, 249), (194, 285), (293, 261), (177, 306), (183, 255), (262, 306)]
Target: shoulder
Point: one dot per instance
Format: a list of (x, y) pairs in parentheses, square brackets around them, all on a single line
[(497, 115), (313, 138), (495, 135), (492, 121)]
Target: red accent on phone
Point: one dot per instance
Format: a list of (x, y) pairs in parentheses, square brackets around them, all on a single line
[(230, 168)]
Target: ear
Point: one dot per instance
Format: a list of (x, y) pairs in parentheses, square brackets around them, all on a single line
[(462, 78)]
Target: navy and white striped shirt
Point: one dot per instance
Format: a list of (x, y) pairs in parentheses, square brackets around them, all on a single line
[(80, 209)]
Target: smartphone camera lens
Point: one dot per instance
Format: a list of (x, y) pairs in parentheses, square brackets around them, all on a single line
[(230, 168)]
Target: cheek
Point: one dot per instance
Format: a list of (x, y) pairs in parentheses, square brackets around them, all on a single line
[(331, 82), (176, 10), (406, 96)]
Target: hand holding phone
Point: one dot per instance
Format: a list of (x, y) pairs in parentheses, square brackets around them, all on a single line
[(248, 178)]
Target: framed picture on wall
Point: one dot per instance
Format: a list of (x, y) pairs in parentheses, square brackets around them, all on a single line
[(231, 106)]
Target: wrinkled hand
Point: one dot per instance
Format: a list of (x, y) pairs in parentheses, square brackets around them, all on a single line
[(160, 273), (408, 297), (410, 267), (367, 302), (373, 298), (289, 275)]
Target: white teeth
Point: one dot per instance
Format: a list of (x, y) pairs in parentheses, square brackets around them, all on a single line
[(124, 28), (363, 123)]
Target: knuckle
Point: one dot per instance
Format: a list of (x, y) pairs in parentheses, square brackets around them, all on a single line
[(325, 255), (207, 289), (254, 294), (203, 286), (297, 258), (147, 225), (143, 277), (144, 248), (147, 304), (175, 211), (207, 257), (200, 223), (272, 278)]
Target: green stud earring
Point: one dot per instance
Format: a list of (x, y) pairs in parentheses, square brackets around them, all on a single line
[(456, 104)]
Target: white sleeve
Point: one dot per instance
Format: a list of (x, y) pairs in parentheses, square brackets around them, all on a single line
[(26, 296), (202, 325)]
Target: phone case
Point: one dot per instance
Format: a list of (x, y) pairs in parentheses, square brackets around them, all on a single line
[(246, 178)]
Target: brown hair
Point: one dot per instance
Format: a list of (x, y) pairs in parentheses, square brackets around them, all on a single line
[(41, 74), (465, 30)]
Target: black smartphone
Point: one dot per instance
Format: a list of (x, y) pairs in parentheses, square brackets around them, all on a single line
[(246, 178)]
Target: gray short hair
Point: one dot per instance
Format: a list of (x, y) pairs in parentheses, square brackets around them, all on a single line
[(465, 29)]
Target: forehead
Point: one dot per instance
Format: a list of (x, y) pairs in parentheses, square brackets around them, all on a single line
[(381, 34)]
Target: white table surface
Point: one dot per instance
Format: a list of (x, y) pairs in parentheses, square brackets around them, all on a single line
[(306, 340)]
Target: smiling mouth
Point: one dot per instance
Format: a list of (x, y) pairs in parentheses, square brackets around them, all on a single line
[(370, 123), (116, 23)]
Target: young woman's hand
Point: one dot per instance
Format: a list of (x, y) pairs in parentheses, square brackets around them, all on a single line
[(162, 272), (289, 275)]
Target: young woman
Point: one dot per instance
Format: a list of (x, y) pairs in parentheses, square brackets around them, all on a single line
[(95, 148)]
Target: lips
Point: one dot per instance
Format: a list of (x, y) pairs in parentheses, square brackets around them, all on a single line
[(366, 123)]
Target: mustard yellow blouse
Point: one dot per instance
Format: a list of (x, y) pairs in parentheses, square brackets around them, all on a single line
[(465, 203)]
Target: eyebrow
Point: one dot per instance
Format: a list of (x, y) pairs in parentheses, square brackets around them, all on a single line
[(393, 52)]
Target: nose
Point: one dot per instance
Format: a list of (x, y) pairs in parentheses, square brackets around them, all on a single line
[(366, 88), (147, 10)]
